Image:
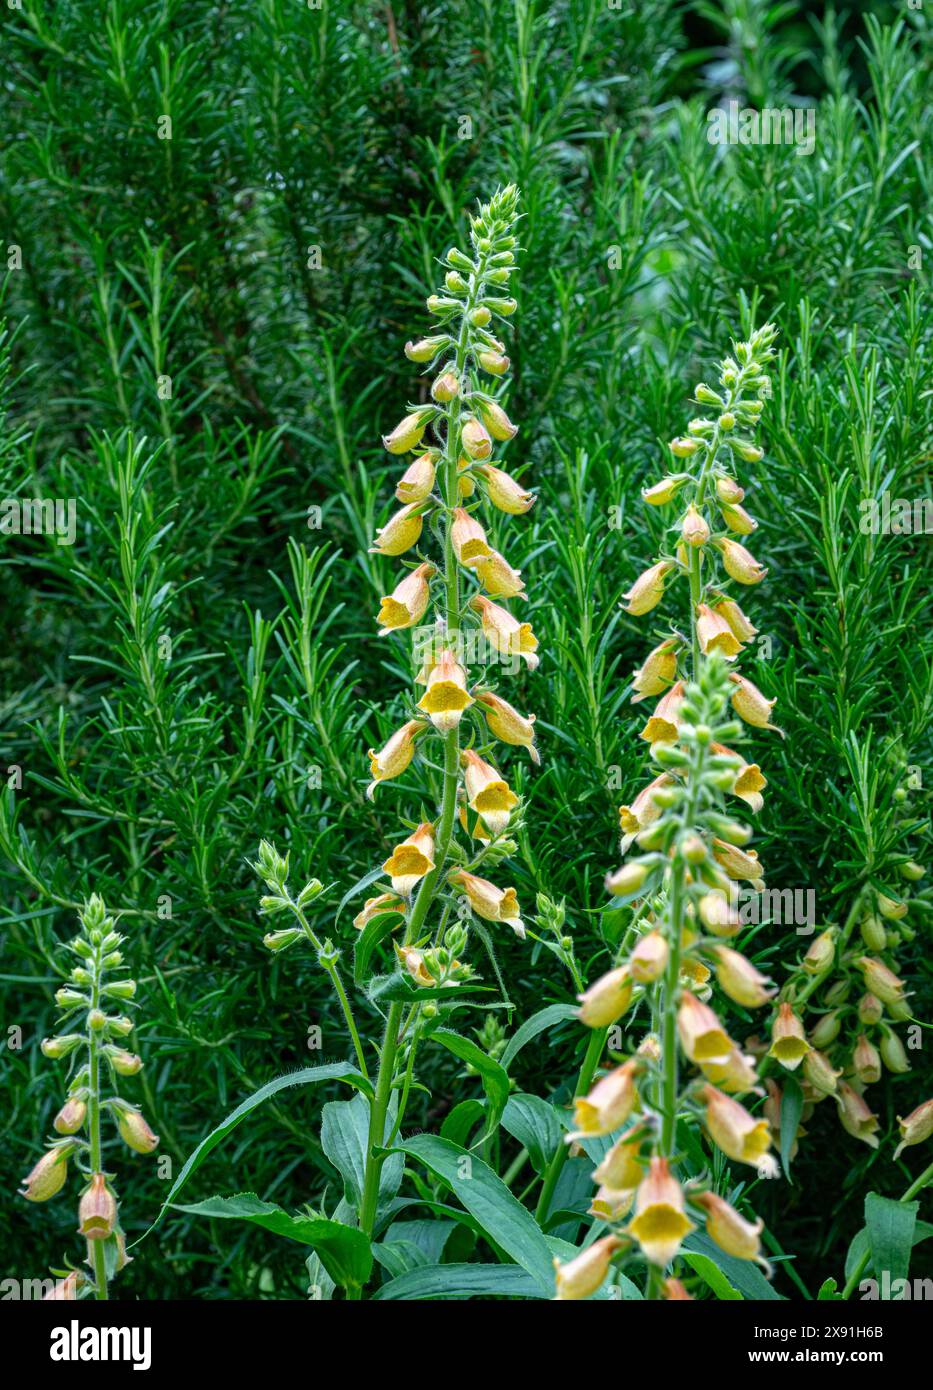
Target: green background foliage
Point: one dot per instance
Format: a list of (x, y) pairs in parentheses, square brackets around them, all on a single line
[(271, 258)]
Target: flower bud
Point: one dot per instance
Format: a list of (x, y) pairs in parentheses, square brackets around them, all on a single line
[(395, 757), (71, 1116), (870, 1009), (445, 387), (61, 1046), (124, 1063), (694, 528), (69, 998), (134, 1131), (855, 1116), (820, 1073), (728, 491), (917, 1127), (504, 492), (407, 433), (496, 421), (742, 629), (648, 590), (893, 1054), (873, 932), (507, 725), (281, 940), (682, 448), (582, 1276), (426, 348), (912, 871), (890, 909), (739, 563), (495, 363), (866, 1061), (416, 482), (48, 1176), (739, 979), (821, 954), (657, 672), (881, 981), (750, 705), (400, 533), (629, 879), (665, 490), (648, 960), (607, 999)]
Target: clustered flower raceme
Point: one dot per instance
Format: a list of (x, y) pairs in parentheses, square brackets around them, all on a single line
[(91, 992), (441, 486), (857, 997), (682, 922), (695, 854)]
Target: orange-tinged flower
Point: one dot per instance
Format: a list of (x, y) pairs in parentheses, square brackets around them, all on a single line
[(718, 915), (71, 1116), (384, 902), (496, 421), (736, 1074), (400, 533), (664, 724), (674, 1291), (820, 1073), (730, 1231), (475, 439), (694, 528), (789, 1044), (97, 1210), (499, 578), (508, 725), (917, 1127), (504, 492), (406, 605), (489, 902), (739, 563), (504, 633), (394, 758), (607, 1106), (64, 1290), (738, 520), (737, 1133), (644, 810), (750, 705), (578, 1278), (731, 613), (446, 696), (411, 860), (135, 1132), (881, 981), (648, 960), (48, 1176), (738, 863), (648, 590), (715, 634), (661, 1222), (855, 1116), (417, 481), (657, 671), (412, 960), (621, 1168), (468, 539), (488, 794), (729, 491), (407, 433), (702, 1036), (611, 1204), (607, 999), (740, 980)]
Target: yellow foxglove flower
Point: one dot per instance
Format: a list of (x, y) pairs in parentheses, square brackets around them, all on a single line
[(891, 908), (881, 981), (407, 433), (629, 879), (582, 1276), (737, 1133), (412, 960), (468, 539), (718, 915), (407, 603), (820, 1073), (475, 439), (607, 999), (715, 634), (621, 1168), (736, 1074), (738, 863), (97, 1210), (400, 533), (383, 902), (694, 528), (789, 1045), (664, 724), (478, 830), (504, 492), (445, 387), (648, 590), (728, 491), (749, 780), (665, 490), (608, 1104), (855, 1116), (740, 980), (729, 610), (48, 1176), (508, 725), (446, 696), (866, 1061), (750, 705), (411, 860), (488, 794), (730, 1231), (499, 578), (494, 363), (611, 1204), (739, 563), (657, 671), (504, 633), (489, 902), (496, 421), (426, 348), (394, 758), (417, 481), (702, 1036), (648, 960), (644, 810), (466, 483), (917, 1127), (661, 1222), (738, 520), (682, 447)]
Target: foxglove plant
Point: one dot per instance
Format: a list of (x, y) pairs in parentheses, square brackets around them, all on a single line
[(95, 985), (680, 885)]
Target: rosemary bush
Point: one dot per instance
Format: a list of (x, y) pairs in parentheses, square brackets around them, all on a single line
[(219, 229)]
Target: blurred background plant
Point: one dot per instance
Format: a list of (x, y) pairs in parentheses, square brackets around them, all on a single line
[(219, 225)]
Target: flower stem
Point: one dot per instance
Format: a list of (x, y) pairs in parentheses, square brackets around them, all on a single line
[(93, 1115)]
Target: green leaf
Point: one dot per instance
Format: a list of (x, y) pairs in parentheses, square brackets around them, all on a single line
[(357, 887), (486, 1197), (890, 1227), (345, 1141), (545, 1018), (791, 1109), (458, 1125), (376, 929), (829, 1292), (343, 1251), (399, 989), (743, 1275), (536, 1125), (307, 1076), (494, 1078), (461, 1281), (711, 1275)]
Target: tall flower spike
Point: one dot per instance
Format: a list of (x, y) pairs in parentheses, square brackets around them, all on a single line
[(95, 984), (686, 851)]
